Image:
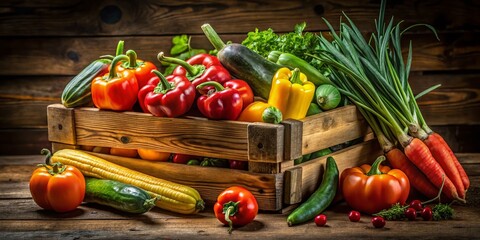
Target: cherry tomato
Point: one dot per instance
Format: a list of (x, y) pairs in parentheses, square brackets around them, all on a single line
[(183, 158), (410, 213), (354, 216), (416, 204), (427, 214), (56, 186), (378, 222), (236, 164), (320, 220)]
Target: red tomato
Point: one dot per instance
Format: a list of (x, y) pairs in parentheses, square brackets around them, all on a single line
[(57, 187), (236, 206)]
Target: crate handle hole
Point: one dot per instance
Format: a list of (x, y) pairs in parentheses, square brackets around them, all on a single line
[(60, 126), (260, 146)]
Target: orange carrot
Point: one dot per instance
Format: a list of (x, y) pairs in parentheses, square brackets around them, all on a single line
[(439, 139), (443, 157), (421, 156), (418, 180)]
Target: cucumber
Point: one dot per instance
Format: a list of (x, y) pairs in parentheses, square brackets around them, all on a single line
[(77, 92), (313, 109), (320, 153), (244, 63), (320, 199), (121, 196), (291, 61)]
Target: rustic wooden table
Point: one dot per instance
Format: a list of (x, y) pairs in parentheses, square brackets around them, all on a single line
[(21, 218)]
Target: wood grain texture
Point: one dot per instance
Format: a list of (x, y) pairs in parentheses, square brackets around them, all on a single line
[(23, 141), (265, 142), (69, 55), (457, 101), (44, 43), (91, 221), (209, 181), (61, 124), (86, 18), (293, 139), (221, 139), (331, 128)]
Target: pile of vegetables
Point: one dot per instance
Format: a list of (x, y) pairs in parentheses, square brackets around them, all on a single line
[(60, 185), (267, 78), (374, 76)]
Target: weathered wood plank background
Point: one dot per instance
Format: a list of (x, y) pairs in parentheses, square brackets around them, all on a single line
[(44, 43)]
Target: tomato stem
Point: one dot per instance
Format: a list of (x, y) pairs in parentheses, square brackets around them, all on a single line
[(230, 209), (52, 168)]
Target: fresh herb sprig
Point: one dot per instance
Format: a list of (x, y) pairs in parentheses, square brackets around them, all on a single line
[(299, 43), (441, 211), (182, 49)]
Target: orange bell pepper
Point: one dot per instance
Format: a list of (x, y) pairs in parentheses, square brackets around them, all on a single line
[(259, 111), (142, 69), (371, 189), (115, 90), (124, 152), (153, 155)]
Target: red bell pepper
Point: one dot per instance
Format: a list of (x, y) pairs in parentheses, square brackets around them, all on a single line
[(169, 98), (243, 89), (115, 90), (141, 69), (219, 102), (198, 69), (235, 206)]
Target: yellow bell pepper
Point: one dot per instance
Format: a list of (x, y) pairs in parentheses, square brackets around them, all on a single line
[(291, 93), (259, 111)]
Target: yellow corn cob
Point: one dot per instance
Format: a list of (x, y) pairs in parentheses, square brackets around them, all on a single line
[(173, 197)]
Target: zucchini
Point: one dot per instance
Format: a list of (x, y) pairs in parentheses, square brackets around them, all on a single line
[(77, 92), (244, 63), (121, 196), (320, 199), (291, 61)]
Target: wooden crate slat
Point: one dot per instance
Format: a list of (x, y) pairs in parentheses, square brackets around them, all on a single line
[(293, 139), (292, 192), (128, 18), (265, 142), (209, 181), (61, 124), (221, 139), (331, 128)]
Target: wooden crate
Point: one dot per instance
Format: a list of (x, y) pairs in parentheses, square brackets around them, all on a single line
[(269, 148)]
